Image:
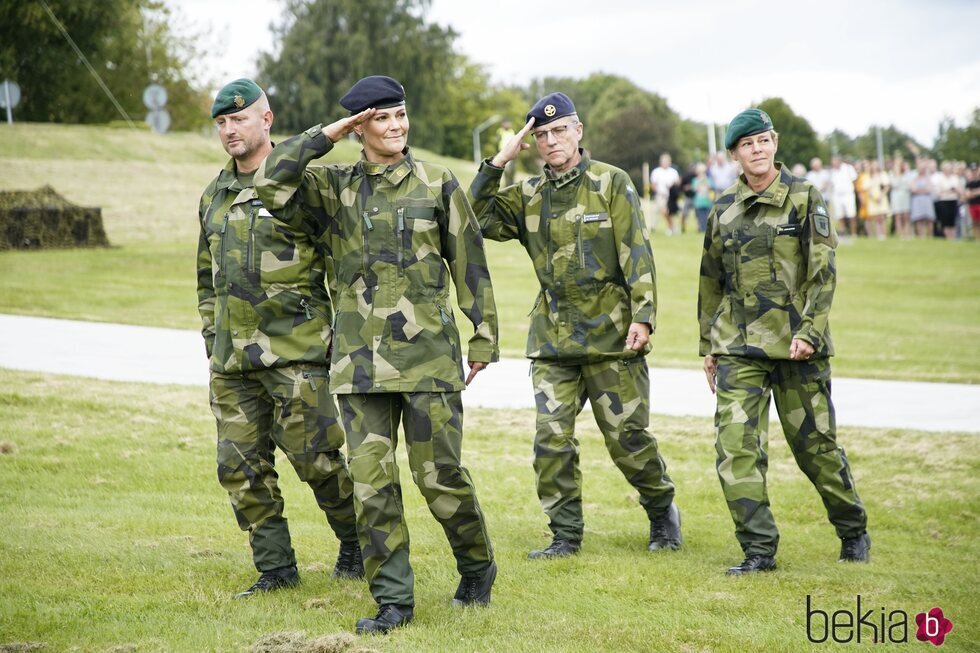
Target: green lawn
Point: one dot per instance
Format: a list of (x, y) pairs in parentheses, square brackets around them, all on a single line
[(117, 537)]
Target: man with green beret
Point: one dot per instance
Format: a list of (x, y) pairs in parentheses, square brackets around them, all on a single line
[(581, 224), (767, 283), (396, 229), (266, 319)]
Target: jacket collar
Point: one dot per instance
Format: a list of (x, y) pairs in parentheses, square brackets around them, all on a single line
[(774, 194), (393, 172)]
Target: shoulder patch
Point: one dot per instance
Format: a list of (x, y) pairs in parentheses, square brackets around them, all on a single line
[(821, 223)]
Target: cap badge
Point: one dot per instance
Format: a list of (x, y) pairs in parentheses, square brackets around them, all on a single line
[(239, 101), (549, 110)]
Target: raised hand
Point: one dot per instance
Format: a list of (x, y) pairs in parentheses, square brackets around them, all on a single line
[(513, 147), (337, 130)]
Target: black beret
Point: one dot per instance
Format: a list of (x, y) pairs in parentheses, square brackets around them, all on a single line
[(374, 92), (235, 96), (748, 123), (551, 107)]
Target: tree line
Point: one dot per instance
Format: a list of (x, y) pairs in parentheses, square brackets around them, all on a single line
[(324, 46)]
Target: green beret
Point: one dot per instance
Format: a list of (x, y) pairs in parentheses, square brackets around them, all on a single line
[(748, 123), (235, 96)]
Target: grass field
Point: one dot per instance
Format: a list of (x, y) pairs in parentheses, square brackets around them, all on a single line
[(117, 537), (904, 310)]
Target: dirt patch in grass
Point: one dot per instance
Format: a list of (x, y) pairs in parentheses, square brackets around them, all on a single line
[(7, 448), (21, 647), (298, 642)]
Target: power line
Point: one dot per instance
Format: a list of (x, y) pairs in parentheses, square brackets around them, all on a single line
[(81, 56)]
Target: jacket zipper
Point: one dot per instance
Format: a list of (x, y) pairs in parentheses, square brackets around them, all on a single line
[(221, 259), (770, 243), (400, 236), (309, 309), (367, 256), (581, 251), (251, 242)]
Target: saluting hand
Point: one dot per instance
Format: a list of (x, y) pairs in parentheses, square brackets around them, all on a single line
[(337, 130), (513, 147)]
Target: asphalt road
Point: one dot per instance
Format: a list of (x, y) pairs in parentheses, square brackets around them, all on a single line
[(120, 352)]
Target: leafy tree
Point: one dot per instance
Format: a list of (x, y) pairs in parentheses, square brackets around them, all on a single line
[(327, 45), (797, 140), (127, 42), (628, 125), (959, 143)]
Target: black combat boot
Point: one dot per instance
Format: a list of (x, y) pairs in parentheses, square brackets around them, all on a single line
[(665, 530), (272, 580), (559, 548), (855, 549), (349, 563), (474, 589), (752, 564), (389, 616)]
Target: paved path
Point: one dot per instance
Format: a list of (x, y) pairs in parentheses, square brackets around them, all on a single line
[(132, 353)]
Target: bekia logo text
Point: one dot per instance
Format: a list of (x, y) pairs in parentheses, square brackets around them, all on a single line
[(874, 625)]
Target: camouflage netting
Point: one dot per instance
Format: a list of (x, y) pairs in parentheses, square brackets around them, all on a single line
[(42, 219)]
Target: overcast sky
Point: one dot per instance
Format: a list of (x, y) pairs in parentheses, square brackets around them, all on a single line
[(845, 64)]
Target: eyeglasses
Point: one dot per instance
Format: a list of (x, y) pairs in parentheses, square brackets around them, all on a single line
[(559, 132)]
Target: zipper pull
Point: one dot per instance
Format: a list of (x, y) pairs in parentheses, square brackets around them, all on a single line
[(306, 309), (224, 225), (309, 377), (445, 317), (401, 220), (770, 237), (367, 221)]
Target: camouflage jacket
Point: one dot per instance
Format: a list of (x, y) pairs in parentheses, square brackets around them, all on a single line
[(260, 284), (767, 271), (389, 233), (591, 254)]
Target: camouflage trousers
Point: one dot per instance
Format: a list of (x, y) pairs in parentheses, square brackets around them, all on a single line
[(289, 408), (433, 423), (801, 390), (619, 392)]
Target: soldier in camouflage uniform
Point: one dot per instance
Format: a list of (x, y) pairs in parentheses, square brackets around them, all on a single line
[(581, 224), (390, 225), (266, 324), (767, 282)]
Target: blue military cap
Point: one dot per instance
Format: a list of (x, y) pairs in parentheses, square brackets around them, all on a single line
[(376, 91), (235, 96), (551, 107), (748, 123)]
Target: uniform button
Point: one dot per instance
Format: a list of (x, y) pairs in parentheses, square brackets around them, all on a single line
[(377, 385), (563, 323), (376, 288), (234, 332), (377, 337), (374, 210)]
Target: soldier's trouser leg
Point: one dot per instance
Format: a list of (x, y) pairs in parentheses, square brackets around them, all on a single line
[(243, 411), (559, 392), (619, 393), (371, 423), (801, 390), (308, 430), (742, 422), (434, 435)]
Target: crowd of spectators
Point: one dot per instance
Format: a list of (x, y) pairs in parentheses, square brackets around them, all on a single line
[(926, 199)]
